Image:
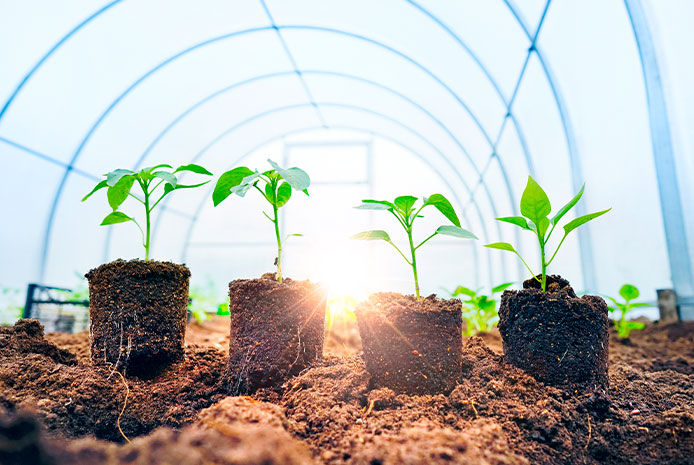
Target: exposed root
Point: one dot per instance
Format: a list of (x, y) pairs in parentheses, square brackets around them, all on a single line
[(125, 403), (590, 432)]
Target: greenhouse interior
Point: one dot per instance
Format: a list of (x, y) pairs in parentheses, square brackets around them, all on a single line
[(330, 232)]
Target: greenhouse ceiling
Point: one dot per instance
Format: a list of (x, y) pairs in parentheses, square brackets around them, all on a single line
[(372, 98)]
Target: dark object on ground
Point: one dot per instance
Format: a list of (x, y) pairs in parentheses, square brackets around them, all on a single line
[(138, 314), (558, 338), (276, 330), (411, 345)]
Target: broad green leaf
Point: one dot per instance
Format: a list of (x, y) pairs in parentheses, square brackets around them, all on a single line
[(405, 202), (455, 231), (542, 227), (501, 287), (296, 177), (284, 192), (269, 194), (501, 246), (166, 177), (444, 206), (517, 220), (374, 205), (576, 222), (568, 206), (115, 217), (226, 181), (373, 235), (464, 291), (629, 292), (117, 193), (534, 202), (114, 176), (192, 167), (98, 187)]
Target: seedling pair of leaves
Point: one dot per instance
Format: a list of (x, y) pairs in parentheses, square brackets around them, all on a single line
[(623, 326), (277, 185), (536, 208), (479, 310), (405, 212), (155, 183)]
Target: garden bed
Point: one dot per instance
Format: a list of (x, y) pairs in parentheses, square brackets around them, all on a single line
[(326, 414)]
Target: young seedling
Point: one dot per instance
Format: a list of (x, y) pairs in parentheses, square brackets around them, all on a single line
[(479, 310), (404, 211), (277, 189), (623, 326), (535, 208), (119, 184)]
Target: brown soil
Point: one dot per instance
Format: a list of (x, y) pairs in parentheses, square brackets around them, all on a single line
[(497, 415), (276, 330), (411, 345), (558, 338), (138, 314)]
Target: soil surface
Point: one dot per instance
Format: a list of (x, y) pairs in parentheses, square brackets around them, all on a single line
[(327, 414), (411, 345), (560, 339), (138, 314)]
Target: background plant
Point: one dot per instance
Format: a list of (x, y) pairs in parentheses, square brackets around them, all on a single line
[(535, 208), (277, 188), (204, 300), (623, 326), (155, 183), (404, 210), (479, 310)]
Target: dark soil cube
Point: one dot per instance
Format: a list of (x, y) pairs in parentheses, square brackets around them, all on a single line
[(411, 345), (556, 337), (276, 331), (138, 314)]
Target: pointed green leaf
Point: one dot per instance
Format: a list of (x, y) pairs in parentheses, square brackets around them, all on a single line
[(501, 287), (501, 246), (114, 176), (192, 167), (444, 206), (542, 227), (462, 290), (117, 193), (568, 206), (296, 177), (534, 202), (629, 292), (405, 203), (638, 304), (517, 220), (375, 205), (231, 178), (576, 222), (284, 192), (98, 187), (455, 231), (166, 177), (115, 217), (161, 165), (373, 235), (168, 188)]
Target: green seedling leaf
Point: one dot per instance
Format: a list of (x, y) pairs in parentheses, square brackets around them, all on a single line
[(581, 220), (534, 203), (405, 203), (166, 177), (373, 206), (501, 287), (542, 227), (192, 168), (444, 206), (560, 214), (517, 220), (152, 168), (464, 291), (115, 217), (168, 188), (455, 231), (373, 235), (637, 304), (114, 176), (98, 187), (635, 324), (284, 192), (501, 246), (227, 181), (117, 193), (629, 292), (296, 177)]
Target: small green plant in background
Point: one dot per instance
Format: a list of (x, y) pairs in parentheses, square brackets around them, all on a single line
[(479, 310), (277, 185), (204, 300), (535, 208), (404, 210), (11, 305), (623, 326), (119, 184)]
